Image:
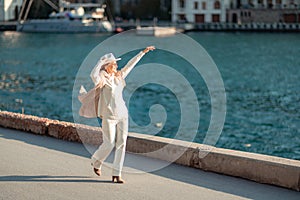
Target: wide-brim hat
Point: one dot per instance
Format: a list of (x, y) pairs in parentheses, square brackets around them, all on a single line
[(107, 58)]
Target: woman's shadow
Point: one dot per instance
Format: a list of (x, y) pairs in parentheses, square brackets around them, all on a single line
[(47, 178)]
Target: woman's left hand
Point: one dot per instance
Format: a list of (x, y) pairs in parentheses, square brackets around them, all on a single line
[(149, 48)]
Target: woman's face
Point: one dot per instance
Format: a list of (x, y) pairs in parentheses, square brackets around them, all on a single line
[(112, 68)]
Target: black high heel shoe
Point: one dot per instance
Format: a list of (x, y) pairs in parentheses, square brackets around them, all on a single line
[(117, 179), (97, 171)]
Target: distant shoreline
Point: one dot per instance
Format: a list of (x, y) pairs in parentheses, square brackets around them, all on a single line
[(211, 27)]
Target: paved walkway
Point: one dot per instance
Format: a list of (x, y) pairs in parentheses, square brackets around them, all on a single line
[(40, 167)]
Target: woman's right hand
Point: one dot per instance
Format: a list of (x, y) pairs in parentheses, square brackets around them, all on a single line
[(149, 48)]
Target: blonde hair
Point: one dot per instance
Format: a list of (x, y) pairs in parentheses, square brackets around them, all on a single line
[(104, 67)]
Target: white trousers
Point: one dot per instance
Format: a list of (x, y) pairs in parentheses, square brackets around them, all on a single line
[(115, 134)]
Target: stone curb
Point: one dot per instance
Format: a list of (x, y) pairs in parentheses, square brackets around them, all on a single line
[(257, 167), (75, 132), (54, 128), (26, 123)]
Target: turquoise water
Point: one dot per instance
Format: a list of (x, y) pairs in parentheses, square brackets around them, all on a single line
[(260, 72)]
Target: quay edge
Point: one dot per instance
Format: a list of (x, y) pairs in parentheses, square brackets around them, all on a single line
[(187, 27)]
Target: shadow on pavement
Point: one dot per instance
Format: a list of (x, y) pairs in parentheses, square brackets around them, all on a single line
[(45, 141), (46, 178), (227, 184)]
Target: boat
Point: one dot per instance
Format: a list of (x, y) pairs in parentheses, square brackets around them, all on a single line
[(70, 18), (156, 31)]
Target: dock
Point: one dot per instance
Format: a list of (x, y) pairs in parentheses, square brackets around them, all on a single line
[(248, 27), (216, 27)]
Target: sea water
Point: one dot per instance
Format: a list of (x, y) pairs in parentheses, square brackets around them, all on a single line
[(260, 73)]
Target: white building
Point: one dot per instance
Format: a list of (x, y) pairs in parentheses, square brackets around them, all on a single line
[(199, 11), (9, 9), (208, 11)]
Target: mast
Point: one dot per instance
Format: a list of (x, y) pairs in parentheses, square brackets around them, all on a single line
[(52, 5), (28, 8), (22, 10), (49, 2), (109, 13)]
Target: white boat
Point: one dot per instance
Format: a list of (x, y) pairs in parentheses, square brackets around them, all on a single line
[(156, 31), (71, 18)]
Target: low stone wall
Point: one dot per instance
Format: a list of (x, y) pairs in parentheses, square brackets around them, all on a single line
[(257, 167), (70, 132), (260, 168), (26, 123), (54, 128)]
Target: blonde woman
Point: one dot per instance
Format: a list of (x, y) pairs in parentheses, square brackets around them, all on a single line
[(112, 109)]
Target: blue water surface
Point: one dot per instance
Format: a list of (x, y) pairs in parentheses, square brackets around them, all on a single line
[(260, 72)]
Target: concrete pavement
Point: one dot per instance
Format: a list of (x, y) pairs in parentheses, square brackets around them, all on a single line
[(40, 167)]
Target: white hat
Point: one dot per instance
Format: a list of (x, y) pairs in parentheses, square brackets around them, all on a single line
[(107, 58)]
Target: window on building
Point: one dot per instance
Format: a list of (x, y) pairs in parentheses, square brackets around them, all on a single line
[(290, 18), (217, 5), (234, 17), (199, 18), (182, 18), (278, 3), (270, 3), (181, 3), (215, 18), (203, 5), (231, 4), (196, 5)]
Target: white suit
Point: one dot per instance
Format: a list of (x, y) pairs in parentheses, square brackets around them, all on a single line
[(114, 114)]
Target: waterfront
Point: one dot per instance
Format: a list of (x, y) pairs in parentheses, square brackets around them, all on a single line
[(259, 70)]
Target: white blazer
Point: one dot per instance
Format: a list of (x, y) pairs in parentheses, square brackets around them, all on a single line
[(105, 100)]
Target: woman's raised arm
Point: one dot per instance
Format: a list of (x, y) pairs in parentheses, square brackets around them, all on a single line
[(132, 62)]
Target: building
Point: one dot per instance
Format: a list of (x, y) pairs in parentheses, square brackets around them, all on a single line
[(146, 9), (9, 9), (263, 11), (269, 4), (199, 11), (236, 11)]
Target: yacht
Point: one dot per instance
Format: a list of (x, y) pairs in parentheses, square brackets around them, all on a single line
[(71, 18)]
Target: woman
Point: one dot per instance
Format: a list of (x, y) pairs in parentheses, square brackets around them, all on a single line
[(112, 109)]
